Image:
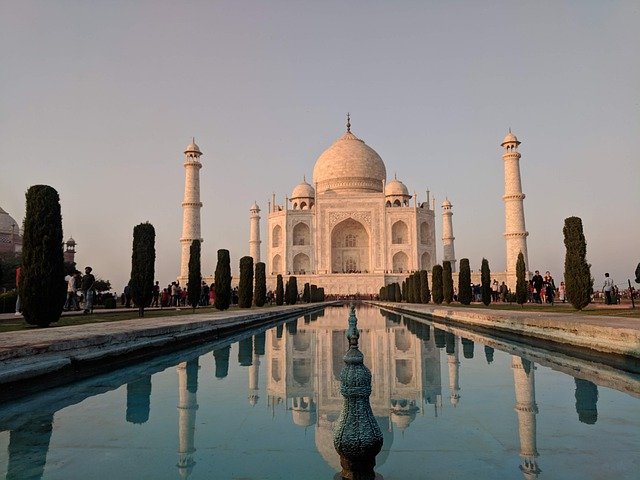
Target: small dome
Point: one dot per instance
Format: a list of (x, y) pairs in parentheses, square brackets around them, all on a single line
[(510, 138), (446, 203), (193, 148), (303, 190), (71, 242), (349, 165), (7, 223), (396, 188), (255, 207)]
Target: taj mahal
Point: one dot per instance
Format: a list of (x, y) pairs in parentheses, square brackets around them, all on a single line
[(352, 230)]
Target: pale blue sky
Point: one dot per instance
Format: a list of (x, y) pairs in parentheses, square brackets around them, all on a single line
[(99, 100)]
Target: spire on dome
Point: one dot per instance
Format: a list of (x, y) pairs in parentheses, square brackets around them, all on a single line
[(348, 123)]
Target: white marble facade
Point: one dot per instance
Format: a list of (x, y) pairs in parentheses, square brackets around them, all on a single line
[(351, 231)]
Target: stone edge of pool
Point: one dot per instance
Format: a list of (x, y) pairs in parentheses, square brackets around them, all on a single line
[(28, 355), (608, 335)]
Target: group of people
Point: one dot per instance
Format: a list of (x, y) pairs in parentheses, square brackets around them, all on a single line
[(543, 289), (82, 284)]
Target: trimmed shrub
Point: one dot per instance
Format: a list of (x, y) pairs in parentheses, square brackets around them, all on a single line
[(404, 291), (321, 294), (260, 291), (447, 282), (397, 292), (8, 301), (245, 284), (485, 282), (143, 259), (313, 293), (194, 285), (291, 297), (425, 293), (416, 287), (42, 287), (222, 280), (279, 290), (465, 294), (521, 281), (577, 272), (436, 278), (306, 293)]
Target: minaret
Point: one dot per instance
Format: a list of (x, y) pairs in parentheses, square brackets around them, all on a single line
[(453, 361), (526, 408), (515, 232), (191, 206), (254, 384), (447, 234), (254, 233), (187, 407)]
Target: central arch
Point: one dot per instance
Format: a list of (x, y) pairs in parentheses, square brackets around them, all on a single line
[(301, 264), (350, 247)]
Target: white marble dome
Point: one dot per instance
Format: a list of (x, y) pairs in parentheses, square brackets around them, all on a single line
[(303, 190), (7, 222), (193, 148), (395, 188), (510, 138), (349, 165)]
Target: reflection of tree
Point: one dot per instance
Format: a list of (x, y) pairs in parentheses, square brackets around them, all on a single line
[(488, 353), (292, 327), (586, 401), (439, 337), (28, 447), (221, 358), (245, 351), (450, 341), (467, 347), (279, 329), (139, 400), (259, 341)]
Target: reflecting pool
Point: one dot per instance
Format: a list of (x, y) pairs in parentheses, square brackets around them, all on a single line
[(451, 404)]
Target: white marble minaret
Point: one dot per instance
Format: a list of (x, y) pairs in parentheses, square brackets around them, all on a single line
[(191, 206), (447, 234), (515, 233), (526, 408), (254, 233)]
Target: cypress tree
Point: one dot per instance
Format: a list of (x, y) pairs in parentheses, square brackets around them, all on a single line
[(409, 289), (260, 292), (521, 280), (194, 285), (222, 279), (292, 285), (321, 294), (287, 292), (404, 291), (485, 282), (397, 296), (425, 293), (245, 284), (577, 272), (42, 286), (382, 294), (279, 290), (436, 278), (464, 282), (447, 282), (416, 287), (306, 293), (313, 293)]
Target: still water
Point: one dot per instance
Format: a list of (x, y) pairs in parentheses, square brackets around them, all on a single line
[(451, 404)]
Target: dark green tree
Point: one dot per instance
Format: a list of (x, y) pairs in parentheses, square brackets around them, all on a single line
[(447, 281), (279, 290), (222, 280), (382, 294), (404, 291), (292, 287), (464, 282), (42, 286), (436, 277), (245, 284), (143, 260), (321, 294), (425, 293), (306, 293), (409, 289), (577, 272), (314, 293), (415, 283), (194, 282), (485, 282), (521, 281), (260, 291), (398, 292), (102, 285)]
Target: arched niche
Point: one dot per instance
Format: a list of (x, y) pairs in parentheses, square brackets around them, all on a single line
[(301, 370), (402, 340), (350, 247), (276, 265), (404, 371), (399, 233), (400, 262), (301, 264), (301, 234), (425, 261), (425, 233), (276, 236)]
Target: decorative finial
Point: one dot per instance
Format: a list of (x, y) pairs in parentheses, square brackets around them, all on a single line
[(193, 139), (348, 123), (509, 129), (304, 178), (395, 176)]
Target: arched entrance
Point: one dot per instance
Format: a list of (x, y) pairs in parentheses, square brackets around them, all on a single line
[(350, 248)]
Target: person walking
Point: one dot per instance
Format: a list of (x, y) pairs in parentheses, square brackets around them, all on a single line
[(607, 288), (88, 281), (72, 289), (156, 294), (562, 292), (18, 309), (550, 287), (536, 282)]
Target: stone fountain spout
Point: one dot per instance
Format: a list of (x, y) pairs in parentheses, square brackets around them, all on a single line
[(357, 437)]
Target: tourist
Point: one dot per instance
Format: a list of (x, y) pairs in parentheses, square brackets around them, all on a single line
[(165, 299), (536, 282), (175, 294), (607, 288), (156, 294), (549, 287), (88, 281), (495, 290), (562, 292), (18, 309), (212, 294), (204, 294), (72, 300), (503, 292), (127, 296)]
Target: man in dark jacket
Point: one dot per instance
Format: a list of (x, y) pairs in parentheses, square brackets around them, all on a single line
[(537, 281), (88, 281)]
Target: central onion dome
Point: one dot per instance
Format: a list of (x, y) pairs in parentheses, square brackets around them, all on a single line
[(349, 165)]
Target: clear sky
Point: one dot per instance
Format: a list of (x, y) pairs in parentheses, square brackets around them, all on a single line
[(99, 99)]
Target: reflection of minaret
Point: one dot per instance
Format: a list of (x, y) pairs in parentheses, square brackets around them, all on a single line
[(221, 358), (447, 235), (254, 371), (254, 233), (453, 361), (187, 407), (139, 400), (526, 408), (586, 401), (28, 447)]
